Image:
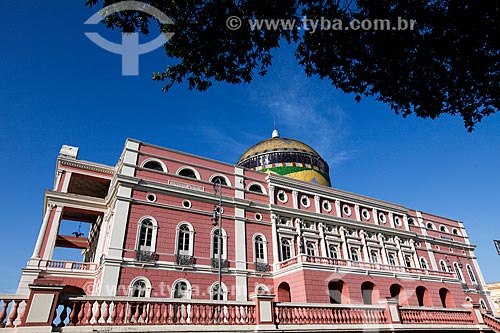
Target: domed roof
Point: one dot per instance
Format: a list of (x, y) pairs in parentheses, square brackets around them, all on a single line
[(287, 157)]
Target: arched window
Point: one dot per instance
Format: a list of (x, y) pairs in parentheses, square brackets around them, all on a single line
[(482, 303), (374, 256), (395, 290), (458, 271), (455, 232), (408, 261), (185, 234), (140, 287), (443, 229), (181, 289), (256, 188), (284, 294), (335, 289), (146, 239), (391, 257), (354, 254), (220, 179), (154, 165), (442, 266), (286, 249), (471, 274), (215, 244), (423, 297), (217, 293), (260, 249), (423, 263), (334, 251), (367, 288), (311, 249), (445, 296), (188, 172)]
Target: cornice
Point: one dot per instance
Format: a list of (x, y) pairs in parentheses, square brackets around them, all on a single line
[(86, 165)]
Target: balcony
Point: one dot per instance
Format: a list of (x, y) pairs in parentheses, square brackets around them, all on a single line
[(146, 256), (185, 260), (303, 258), (224, 263), (262, 267)]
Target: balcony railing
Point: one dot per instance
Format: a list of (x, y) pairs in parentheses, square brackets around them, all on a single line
[(99, 311), (303, 258), (262, 267), (224, 263), (10, 314), (492, 322), (185, 260), (67, 265), (146, 256), (420, 315), (329, 314)]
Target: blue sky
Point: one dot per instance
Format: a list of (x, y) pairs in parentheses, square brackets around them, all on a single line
[(58, 88)]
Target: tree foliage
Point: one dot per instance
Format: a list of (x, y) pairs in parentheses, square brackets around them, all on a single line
[(448, 64)]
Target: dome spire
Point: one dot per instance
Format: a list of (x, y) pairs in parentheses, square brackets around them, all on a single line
[(275, 133)]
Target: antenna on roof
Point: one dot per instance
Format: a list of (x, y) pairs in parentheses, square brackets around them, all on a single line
[(275, 134)]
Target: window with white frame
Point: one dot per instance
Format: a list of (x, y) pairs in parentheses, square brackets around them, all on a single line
[(333, 251), (217, 293), (286, 249), (146, 237), (311, 249), (140, 287), (181, 289), (374, 256), (355, 254), (154, 164), (215, 243), (185, 233), (408, 260), (188, 172), (391, 257), (458, 271), (471, 274), (423, 263), (260, 250), (442, 266)]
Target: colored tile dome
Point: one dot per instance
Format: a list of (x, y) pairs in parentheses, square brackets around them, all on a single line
[(287, 157)]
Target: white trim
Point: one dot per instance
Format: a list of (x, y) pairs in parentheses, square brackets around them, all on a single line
[(308, 201), (259, 185), (224, 243), (153, 234), (228, 182), (471, 274), (189, 204), (151, 200), (146, 281), (191, 238), (460, 273), (326, 205), (365, 214), (224, 290), (432, 226), (346, 209), (152, 159), (443, 228), (264, 240), (188, 286), (285, 196), (185, 167)]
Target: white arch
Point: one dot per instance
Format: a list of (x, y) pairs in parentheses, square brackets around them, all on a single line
[(153, 235), (146, 282), (188, 286), (151, 159), (255, 248), (224, 290), (443, 228), (430, 225), (191, 238), (259, 185), (224, 243), (262, 286), (459, 272), (455, 232), (185, 167), (228, 182)]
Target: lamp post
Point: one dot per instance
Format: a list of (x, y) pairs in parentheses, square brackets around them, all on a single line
[(217, 219)]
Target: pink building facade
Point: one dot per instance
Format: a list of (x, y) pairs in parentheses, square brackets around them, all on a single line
[(150, 235)]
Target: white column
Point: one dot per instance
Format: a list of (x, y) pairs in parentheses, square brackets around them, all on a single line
[(344, 243), (300, 241), (375, 216), (322, 242), (130, 156), (295, 197), (415, 256), (365, 248), (54, 229), (337, 208), (43, 230), (276, 244), (391, 219), (67, 178), (356, 211), (317, 203), (271, 194), (239, 181), (400, 253), (383, 252), (241, 255)]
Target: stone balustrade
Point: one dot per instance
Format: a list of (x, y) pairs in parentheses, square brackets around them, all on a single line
[(492, 322), (12, 310), (98, 311), (422, 315), (298, 314)]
